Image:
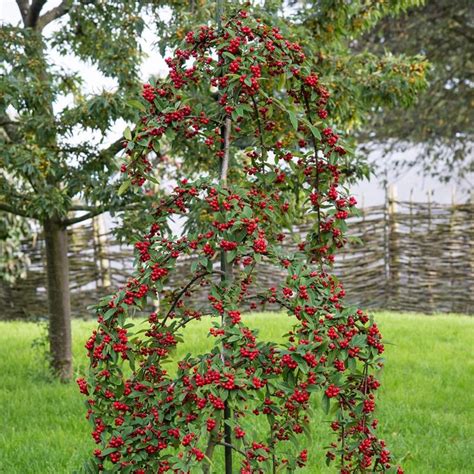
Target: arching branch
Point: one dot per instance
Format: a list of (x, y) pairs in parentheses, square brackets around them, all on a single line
[(85, 217)]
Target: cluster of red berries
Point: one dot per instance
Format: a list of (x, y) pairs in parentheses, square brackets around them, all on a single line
[(332, 391)]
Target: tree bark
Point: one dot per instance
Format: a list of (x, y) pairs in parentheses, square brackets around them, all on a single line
[(58, 299)]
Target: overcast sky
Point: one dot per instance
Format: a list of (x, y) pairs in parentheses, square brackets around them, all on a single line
[(410, 185)]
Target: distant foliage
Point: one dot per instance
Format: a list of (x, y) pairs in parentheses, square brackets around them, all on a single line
[(441, 122)]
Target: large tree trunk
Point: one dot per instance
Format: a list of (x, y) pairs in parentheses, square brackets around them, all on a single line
[(58, 299)]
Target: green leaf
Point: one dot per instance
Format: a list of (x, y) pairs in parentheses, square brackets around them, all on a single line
[(127, 133), (246, 212), (136, 104), (231, 255), (325, 403), (108, 314), (229, 55), (123, 187), (131, 358), (108, 451), (235, 115), (152, 179), (282, 82), (316, 133), (293, 119)]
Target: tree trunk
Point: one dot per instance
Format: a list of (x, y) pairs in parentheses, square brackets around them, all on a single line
[(58, 299)]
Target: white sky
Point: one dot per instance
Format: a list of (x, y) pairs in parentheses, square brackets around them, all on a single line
[(409, 184)]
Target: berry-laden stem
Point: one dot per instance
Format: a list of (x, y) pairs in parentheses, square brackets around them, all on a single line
[(210, 448), (226, 276), (224, 167), (315, 148)]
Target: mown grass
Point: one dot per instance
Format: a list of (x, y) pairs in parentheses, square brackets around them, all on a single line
[(426, 404)]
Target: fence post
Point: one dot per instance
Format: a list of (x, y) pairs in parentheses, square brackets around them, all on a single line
[(393, 249), (470, 308), (429, 271), (409, 269), (386, 295), (452, 235), (100, 242)]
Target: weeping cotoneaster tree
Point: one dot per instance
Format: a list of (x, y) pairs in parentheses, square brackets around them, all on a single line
[(249, 98)]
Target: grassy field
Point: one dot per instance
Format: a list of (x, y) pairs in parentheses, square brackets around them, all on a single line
[(426, 404)]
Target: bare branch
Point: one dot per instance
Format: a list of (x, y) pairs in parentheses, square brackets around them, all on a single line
[(260, 128), (225, 158), (10, 127), (85, 217), (23, 7), (34, 12), (112, 149), (54, 14), (229, 445), (7, 122), (181, 293), (315, 148), (15, 210), (81, 207)]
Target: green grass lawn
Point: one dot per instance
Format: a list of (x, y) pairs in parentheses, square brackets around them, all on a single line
[(426, 404)]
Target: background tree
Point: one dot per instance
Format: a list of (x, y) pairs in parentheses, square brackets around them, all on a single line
[(441, 121), (44, 175)]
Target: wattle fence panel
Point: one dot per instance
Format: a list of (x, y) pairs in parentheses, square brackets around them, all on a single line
[(413, 257)]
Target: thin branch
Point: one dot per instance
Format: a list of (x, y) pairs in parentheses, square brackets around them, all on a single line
[(213, 437), (81, 207), (4, 122), (180, 294), (226, 268), (10, 127), (85, 217), (84, 207), (112, 149), (260, 128), (209, 453), (223, 443)]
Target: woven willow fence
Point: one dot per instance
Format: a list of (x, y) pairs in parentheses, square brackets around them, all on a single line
[(414, 257)]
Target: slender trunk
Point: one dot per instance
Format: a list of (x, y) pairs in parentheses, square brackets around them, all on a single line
[(58, 299), (226, 276)]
